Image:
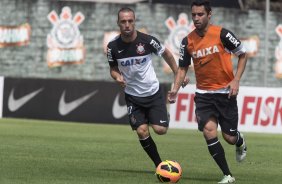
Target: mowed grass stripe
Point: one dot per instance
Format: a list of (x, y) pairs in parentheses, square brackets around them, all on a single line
[(50, 152)]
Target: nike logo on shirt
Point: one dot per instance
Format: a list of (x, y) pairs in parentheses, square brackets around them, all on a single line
[(15, 104), (66, 107), (120, 51), (118, 110), (204, 63)]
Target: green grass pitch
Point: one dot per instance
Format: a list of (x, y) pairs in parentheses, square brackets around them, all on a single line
[(50, 152)]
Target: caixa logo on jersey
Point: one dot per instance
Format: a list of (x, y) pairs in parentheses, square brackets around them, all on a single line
[(65, 42), (134, 61)]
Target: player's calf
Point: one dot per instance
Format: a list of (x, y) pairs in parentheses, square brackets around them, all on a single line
[(241, 148)]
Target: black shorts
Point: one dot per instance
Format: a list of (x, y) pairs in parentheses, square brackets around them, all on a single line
[(224, 109), (147, 110)]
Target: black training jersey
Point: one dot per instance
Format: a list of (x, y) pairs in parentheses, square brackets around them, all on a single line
[(134, 61)]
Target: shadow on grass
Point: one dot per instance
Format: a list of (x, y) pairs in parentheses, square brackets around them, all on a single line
[(130, 171), (198, 178)]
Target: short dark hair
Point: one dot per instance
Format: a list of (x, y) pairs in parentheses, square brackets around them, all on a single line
[(205, 3), (126, 9)]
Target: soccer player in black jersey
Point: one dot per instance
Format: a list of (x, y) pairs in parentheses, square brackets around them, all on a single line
[(130, 59)]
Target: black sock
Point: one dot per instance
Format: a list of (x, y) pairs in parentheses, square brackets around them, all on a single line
[(150, 147), (239, 141), (217, 152)]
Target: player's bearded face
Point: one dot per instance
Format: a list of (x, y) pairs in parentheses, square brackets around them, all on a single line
[(126, 23), (200, 17)]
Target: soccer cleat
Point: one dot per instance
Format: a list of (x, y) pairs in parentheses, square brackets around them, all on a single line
[(227, 179), (241, 152)]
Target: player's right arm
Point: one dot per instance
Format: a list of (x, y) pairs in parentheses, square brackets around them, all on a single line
[(184, 62), (178, 82), (117, 76), (114, 71)]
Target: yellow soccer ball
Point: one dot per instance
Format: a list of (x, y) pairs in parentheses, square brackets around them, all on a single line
[(169, 171)]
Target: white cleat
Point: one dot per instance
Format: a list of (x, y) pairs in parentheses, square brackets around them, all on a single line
[(227, 179), (241, 152)]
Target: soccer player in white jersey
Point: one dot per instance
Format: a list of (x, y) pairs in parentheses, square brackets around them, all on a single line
[(130, 59)]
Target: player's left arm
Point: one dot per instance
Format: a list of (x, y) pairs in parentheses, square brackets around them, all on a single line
[(180, 78), (169, 59), (160, 50), (114, 70), (234, 45)]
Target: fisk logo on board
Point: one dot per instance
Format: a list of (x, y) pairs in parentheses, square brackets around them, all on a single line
[(260, 109)]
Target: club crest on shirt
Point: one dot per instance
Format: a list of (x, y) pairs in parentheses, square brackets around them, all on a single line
[(140, 48)]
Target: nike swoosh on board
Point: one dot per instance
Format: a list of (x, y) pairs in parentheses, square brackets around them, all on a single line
[(118, 110), (15, 104), (66, 107)]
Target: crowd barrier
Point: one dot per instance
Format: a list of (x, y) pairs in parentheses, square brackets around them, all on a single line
[(260, 109), (65, 100)]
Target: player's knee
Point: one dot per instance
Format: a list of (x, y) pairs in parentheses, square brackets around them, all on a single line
[(210, 129), (229, 139), (209, 133), (160, 130), (142, 132)]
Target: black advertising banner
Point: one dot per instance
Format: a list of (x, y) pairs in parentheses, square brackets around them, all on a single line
[(83, 101), (66, 100)]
